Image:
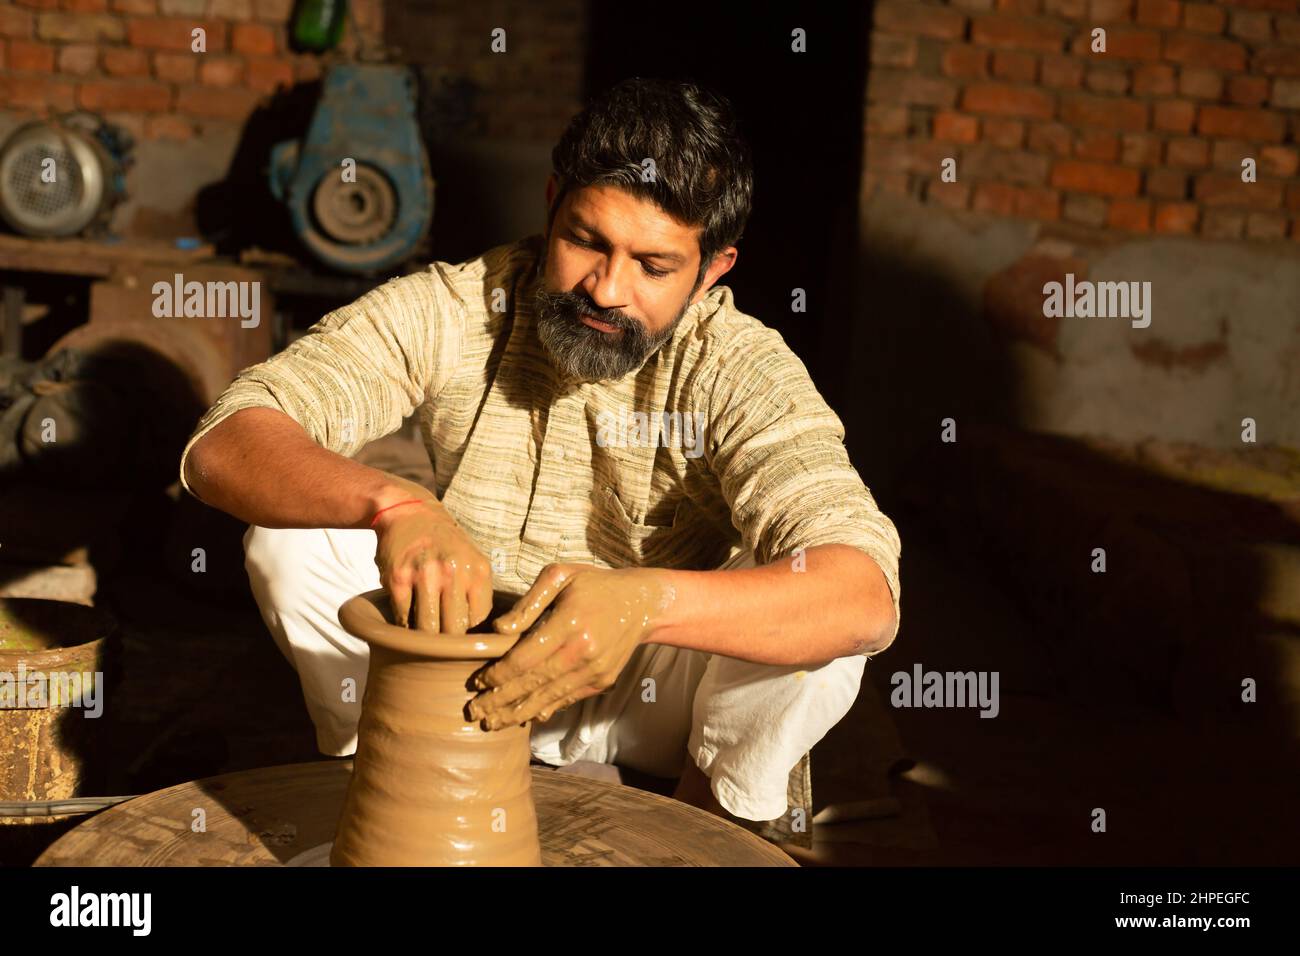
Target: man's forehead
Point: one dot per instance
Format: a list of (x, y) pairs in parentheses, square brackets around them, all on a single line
[(622, 217)]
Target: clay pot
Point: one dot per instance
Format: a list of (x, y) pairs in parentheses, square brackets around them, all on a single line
[(428, 787)]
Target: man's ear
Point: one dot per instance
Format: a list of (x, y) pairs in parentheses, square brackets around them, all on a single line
[(719, 267)]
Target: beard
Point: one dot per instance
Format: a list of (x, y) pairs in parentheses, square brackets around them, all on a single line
[(586, 354)]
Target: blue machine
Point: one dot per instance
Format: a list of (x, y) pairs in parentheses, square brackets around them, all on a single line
[(358, 185)]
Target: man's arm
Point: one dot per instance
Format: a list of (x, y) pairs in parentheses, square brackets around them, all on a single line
[(838, 606), (261, 466)]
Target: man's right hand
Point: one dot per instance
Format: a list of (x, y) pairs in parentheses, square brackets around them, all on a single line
[(431, 569)]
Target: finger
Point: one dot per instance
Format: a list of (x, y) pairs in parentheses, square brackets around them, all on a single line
[(553, 579), (399, 597), (534, 648), (428, 583), (576, 685), (500, 698), (480, 599), (455, 608)]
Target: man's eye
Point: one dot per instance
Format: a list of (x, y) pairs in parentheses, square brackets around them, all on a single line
[(654, 273)]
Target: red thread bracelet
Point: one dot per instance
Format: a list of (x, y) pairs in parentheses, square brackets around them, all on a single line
[(408, 501)]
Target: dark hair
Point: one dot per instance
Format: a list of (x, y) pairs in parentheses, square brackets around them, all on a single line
[(703, 171)]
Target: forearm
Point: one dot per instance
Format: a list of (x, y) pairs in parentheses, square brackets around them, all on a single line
[(838, 605), (260, 466)]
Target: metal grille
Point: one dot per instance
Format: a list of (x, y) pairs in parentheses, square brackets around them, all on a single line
[(37, 198)]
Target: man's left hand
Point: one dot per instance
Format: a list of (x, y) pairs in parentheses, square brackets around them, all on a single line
[(588, 621)]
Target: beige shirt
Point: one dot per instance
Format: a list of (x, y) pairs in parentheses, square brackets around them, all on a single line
[(719, 443)]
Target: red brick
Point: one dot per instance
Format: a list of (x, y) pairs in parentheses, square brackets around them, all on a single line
[(1158, 13), (1066, 9), (1200, 84), (221, 70), (30, 57), (1089, 210), (966, 62), (908, 156), (1277, 6), (307, 69), (1266, 225), (145, 8), (1281, 161), (1131, 215), (1174, 116), (1053, 138), (168, 126), (1154, 79), (266, 74), (1239, 123), (1223, 224), (889, 49), (16, 23), (175, 67), (1177, 218), (955, 127), (1250, 25), (1017, 33), (214, 103), (174, 33), (1104, 111), (952, 195), (277, 11), (78, 58), (1002, 199), (86, 6), (1027, 8), (908, 87), (125, 61), (231, 9), (37, 92), (1293, 197), (1204, 17), (1187, 151), (1248, 90), (1014, 66), (133, 96), (900, 16), (1276, 61), (1123, 44), (1062, 72), (1005, 133), (1228, 154), (985, 163), (1110, 11), (1167, 184), (79, 27), (40, 4), (1288, 30), (882, 119), (1003, 100), (1227, 189), (1095, 144), (1140, 149), (1100, 178), (1107, 80), (1205, 51)]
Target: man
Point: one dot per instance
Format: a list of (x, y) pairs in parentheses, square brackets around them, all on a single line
[(702, 571)]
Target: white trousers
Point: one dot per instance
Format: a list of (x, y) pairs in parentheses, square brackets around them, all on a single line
[(745, 725)]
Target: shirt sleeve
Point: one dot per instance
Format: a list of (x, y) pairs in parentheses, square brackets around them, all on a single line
[(359, 371), (777, 450)]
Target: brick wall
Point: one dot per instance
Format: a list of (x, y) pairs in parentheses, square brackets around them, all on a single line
[(1146, 137), (131, 60)]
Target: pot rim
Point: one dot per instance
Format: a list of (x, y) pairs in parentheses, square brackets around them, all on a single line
[(362, 617)]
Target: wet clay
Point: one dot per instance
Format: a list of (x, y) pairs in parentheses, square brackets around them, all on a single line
[(428, 787)]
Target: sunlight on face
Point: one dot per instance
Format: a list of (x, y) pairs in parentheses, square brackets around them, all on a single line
[(618, 275)]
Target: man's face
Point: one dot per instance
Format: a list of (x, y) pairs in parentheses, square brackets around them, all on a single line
[(618, 274)]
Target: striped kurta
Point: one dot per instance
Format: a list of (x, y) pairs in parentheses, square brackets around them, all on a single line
[(538, 469)]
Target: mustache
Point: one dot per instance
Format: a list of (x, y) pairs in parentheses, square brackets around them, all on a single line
[(577, 305)]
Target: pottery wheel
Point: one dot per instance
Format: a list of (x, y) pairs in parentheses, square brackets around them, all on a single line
[(286, 815)]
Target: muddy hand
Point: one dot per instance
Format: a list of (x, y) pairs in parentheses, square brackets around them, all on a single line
[(436, 578), (585, 623)]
